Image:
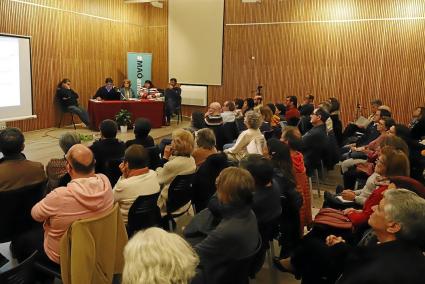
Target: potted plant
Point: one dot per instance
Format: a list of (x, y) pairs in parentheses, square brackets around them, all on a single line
[(123, 119)]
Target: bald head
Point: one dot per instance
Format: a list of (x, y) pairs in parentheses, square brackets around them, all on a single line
[(81, 159)]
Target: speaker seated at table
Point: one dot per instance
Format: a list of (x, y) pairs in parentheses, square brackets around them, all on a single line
[(108, 92)]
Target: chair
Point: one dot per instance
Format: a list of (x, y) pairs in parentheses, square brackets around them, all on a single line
[(64, 110), (268, 134), (15, 210), (104, 239), (179, 194), (242, 269), (111, 169), (23, 273), (144, 213)]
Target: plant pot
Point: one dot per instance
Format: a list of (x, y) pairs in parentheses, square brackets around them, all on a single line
[(123, 128)]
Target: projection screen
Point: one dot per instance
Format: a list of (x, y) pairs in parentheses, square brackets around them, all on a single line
[(15, 78), (195, 41)]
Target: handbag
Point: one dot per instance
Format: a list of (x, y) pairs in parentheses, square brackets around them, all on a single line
[(334, 218)]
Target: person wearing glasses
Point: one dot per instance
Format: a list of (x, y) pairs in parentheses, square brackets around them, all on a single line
[(68, 100)]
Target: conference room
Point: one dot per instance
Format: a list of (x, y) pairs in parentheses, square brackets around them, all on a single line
[(212, 141)]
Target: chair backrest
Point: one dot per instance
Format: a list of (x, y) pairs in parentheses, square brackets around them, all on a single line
[(230, 132), (23, 273), (154, 160), (268, 134), (239, 270), (111, 169), (179, 192), (92, 249), (144, 213), (15, 210)]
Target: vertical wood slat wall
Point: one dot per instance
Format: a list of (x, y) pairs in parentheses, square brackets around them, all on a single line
[(353, 61), (86, 49)]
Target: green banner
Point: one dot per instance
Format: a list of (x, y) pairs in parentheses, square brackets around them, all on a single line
[(139, 67)]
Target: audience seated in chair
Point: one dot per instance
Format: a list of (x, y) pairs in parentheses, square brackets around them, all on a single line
[(266, 115), (291, 113), (397, 257), (136, 179), (291, 200), (108, 149), (68, 100), (336, 122), (179, 162), (204, 180), (142, 127), (240, 148), (15, 170), (360, 154), (315, 140), (87, 195), (56, 168), (228, 113), (156, 256), (356, 126), (266, 198), (205, 145), (417, 125), (291, 136), (416, 161), (231, 233)]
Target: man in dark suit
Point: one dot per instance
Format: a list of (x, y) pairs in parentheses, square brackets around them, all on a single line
[(108, 92), (15, 170), (173, 99), (315, 140)]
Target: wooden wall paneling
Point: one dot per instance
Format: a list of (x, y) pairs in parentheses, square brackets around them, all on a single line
[(353, 61), (83, 48)]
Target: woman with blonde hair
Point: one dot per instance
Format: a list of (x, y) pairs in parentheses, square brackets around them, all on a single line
[(157, 257), (179, 162)]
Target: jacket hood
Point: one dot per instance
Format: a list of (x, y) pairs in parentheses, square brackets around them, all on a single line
[(93, 193)]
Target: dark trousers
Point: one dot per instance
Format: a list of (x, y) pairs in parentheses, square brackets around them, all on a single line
[(27, 243), (82, 114)]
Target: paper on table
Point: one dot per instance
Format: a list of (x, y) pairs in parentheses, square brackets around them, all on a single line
[(362, 122)]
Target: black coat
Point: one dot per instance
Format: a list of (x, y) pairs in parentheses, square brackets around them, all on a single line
[(66, 97), (418, 130), (107, 149), (394, 262), (235, 237), (112, 95), (315, 143), (145, 142)]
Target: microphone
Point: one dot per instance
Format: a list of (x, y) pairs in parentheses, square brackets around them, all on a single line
[(121, 94)]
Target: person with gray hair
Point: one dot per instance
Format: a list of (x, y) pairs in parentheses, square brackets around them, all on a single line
[(249, 141), (397, 256), (205, 145), (156, 256), (56, 167)]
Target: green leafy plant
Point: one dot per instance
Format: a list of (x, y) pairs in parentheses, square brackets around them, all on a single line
[(123, 117)]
